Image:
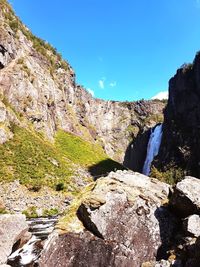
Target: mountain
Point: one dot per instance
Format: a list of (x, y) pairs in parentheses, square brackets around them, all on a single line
[(63, 155), (52, 129), (180, 148)]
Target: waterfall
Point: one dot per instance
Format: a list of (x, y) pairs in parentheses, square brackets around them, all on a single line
[(29, 254), (152, 148)]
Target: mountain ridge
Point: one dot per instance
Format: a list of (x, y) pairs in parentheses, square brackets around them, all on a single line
[(38, 89)]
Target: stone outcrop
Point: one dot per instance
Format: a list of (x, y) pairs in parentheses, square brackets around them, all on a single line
[(12, 229), (186, 197), (180, 146), (192, 225), (124, 223), (184, 202)]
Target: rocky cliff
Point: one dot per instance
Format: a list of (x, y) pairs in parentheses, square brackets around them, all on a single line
[(180, 148), (40, 103)]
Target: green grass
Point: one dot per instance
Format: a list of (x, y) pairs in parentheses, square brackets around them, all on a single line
[(86, 154), (31, 212), (78, 150), (29, 158), (50, 212), (35, 162)]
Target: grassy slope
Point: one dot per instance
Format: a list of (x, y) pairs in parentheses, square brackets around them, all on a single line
[(89, 155), (30, 158), (78, 150), (36, 162)]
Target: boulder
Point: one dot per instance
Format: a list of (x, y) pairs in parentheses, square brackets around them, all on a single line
[(194, 259), (192, 225), (186, 197), (12, 229), (124, 222)]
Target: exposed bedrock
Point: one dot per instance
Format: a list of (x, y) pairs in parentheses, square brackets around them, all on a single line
[(124, 222), (180, 146)]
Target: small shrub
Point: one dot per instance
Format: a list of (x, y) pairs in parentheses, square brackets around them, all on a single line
[(35, 188), (14, 25), (171, 176), (31, 212), (50, 212), (60, 187), (3, 211), (20, 61)]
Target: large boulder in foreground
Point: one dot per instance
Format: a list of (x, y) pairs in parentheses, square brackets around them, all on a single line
[(12, 229), (124, 225), (186, 197)]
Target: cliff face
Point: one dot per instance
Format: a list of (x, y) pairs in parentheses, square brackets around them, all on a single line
[(39, 88), (180, 146)]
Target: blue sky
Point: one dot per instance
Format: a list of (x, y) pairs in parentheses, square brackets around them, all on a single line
[(122, 50)]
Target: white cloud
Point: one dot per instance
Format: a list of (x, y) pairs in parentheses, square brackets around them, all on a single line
[(113, 84), (101, 83), (161, 95), (90, 91)]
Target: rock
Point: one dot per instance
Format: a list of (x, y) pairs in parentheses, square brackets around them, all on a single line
[(186, 197), (125, 225), (163, 263), (194, 259), (12, 229), (180, 147), (192, 225), (2, 206), (17, 198), (148, 264)]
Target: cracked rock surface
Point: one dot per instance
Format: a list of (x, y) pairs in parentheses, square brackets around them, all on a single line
[(124, 222)]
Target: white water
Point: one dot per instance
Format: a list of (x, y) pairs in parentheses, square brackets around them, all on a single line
[(152, 148), (30, 252), (26, 253)]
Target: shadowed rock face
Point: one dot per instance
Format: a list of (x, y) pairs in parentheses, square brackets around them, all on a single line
[(124, 225), (181, 143), (136, 152)]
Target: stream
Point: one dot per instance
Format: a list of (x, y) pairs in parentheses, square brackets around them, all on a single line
[(29, 253)]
